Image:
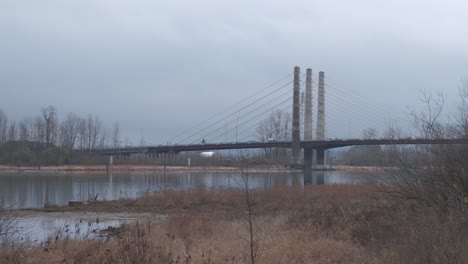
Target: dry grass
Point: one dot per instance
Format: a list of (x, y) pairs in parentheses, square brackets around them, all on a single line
[(317, 224)]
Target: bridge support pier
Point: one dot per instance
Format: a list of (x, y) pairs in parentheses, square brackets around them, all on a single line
[(308, 165), (314, 174), (320, 164)]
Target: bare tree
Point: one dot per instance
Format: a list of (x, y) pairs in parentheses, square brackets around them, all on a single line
[(82, 133), (23, 131), (12, 132), (392, 131), (97, 130), (248, 220), (263, 131), (37, 132), (49, 115), (440, 180), (251, 227), (3, 127), (93, 129), (428, 121), (104, 139), (365, 155), (8, 222), (369, 133), (275, 127), (463, 107), (116, 135), (69, 131)]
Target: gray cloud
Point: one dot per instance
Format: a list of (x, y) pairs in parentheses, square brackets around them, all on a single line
[(162, 66)]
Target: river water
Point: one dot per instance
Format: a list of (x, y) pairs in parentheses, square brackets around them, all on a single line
[(32, 190)]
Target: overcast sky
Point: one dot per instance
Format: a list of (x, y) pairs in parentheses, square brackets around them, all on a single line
[(162, 66)]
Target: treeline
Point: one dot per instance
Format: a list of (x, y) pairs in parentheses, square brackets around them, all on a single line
[(44, 139)]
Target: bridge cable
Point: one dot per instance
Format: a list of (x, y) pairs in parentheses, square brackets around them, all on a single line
[(231, 107)]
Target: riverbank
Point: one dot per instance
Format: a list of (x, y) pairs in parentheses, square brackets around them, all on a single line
[(157, 168), (311, 224), (104, 168)]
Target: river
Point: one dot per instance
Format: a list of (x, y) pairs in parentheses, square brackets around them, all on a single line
[(22, 190), (33, 190)]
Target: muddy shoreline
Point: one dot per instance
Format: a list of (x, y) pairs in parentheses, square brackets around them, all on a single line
[(156, 168)]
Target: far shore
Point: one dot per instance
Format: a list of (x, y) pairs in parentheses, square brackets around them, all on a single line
[(156, 168)]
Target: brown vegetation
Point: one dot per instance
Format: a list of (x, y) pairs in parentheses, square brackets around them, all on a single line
[(314, 224)]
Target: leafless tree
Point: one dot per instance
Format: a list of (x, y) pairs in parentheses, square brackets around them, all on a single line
[(23, 131), (37, 132), (49, 115), (440, 180), (8, 222), (3, 127), (365, 155), (392, 131), (12, 132), (275, 127), (116, 135), (248, 220), (263, 131), (251, 228), (69, 131), (369, 133), (104, 139), (428, 121), (93, 130), (463, 107), (82, 133)]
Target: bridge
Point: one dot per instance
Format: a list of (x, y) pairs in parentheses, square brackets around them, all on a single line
[(255, 110), (316, 145)]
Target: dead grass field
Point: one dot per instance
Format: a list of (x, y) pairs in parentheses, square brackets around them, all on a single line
[(314, 224)]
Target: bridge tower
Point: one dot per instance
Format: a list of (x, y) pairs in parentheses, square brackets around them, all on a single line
[(308, 152), (308, 107), (321, 119), (296, 119), (321, 107)]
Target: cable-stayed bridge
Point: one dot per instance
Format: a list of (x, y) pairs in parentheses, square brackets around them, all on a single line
[(277, 116)]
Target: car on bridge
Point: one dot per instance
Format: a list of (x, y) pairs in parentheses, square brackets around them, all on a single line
[(208, 154)]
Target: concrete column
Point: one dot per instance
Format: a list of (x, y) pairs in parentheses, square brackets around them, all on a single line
[(308, 108), (320, 158), (319, 177), (308, 155), (296, 119), (321, 107)]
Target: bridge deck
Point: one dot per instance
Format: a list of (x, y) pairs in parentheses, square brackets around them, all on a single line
[(327, 144)]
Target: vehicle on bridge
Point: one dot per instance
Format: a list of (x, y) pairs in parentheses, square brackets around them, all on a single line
[(208, 154)]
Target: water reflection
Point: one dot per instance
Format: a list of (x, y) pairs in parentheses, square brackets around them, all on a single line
[(315, 177), (23, 190), (39, 229)]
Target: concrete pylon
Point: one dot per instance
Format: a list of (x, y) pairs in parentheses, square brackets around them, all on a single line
[(320, 133), (308, 153), (296, 119), (308, 107)]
